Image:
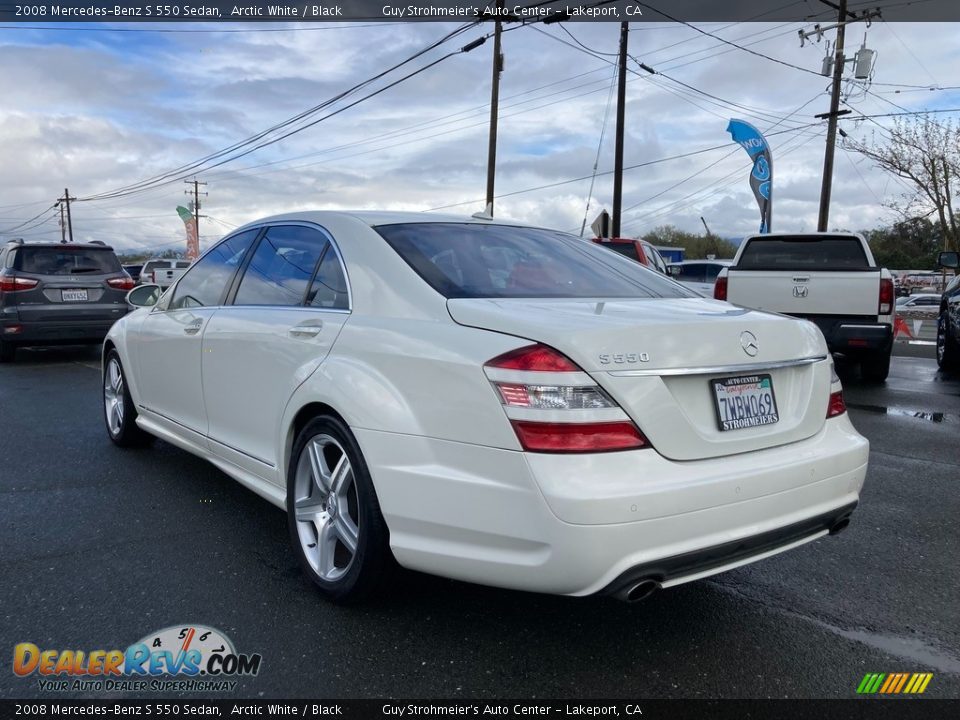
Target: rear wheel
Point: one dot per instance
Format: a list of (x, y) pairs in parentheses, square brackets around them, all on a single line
[(7, 352), (948, 354), (875, 368), (334, 517), (119, 413)]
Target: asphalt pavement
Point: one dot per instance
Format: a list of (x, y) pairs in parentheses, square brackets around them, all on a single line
[(101, 546)]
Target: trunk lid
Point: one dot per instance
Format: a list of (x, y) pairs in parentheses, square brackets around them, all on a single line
[(658, 357)]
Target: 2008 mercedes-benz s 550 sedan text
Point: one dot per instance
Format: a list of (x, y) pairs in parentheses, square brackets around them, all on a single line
[(487, 401)]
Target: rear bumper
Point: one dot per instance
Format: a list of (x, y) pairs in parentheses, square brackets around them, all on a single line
[(852, 335), (55, 333), (578, 525)]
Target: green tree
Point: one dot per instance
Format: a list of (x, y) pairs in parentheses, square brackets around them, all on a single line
[(907, 245), (697, 246)]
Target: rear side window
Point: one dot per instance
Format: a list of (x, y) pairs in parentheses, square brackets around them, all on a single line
[(803, 253), (329, 289), (66, 260), (281, 267), (470, 260)]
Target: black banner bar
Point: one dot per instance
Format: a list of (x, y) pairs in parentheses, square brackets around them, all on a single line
[(859, 709), (463, 10)]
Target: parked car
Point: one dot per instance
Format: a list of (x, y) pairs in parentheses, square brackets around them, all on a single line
[(58, 293), (923, 304), (163, 271), (639, 250), (133, 271), (574, 423), (698, 275), (948, 322), (830, 279)]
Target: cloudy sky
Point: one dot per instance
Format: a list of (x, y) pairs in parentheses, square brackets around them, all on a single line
[(95, 109)]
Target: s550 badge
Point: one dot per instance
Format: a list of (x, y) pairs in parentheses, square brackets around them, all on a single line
[(624, 358)]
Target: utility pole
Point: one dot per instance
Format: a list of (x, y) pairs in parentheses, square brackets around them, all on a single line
[(621, 103), (196, 203), (66, 199), (839, 63), (494, 107), (63, 224)]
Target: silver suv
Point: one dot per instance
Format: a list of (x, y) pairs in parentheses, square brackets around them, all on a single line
[(58, 294)]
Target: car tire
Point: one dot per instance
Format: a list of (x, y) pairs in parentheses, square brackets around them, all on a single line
[(948, 354), (875, 368), (7, 352), (336, 527), (119, 413)]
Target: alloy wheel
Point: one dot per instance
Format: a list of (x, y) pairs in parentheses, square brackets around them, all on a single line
[(113, 396), (326, 507)]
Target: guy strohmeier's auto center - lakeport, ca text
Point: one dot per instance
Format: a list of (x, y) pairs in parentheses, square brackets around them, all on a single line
[(313, 11)]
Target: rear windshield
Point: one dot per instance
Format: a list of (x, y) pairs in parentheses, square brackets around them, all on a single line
[(462, 260), (803, 253), (626, 249), (66, 260)]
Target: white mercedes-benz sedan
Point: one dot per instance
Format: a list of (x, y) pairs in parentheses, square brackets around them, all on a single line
[(489, 402)]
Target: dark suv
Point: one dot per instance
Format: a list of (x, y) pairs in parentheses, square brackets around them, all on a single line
[(948, 324), (58, 294)]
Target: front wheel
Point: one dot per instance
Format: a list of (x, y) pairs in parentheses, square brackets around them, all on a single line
[(948, 354), (119, 413), (336, 526)]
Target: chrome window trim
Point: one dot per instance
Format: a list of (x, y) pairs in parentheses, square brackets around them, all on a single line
[(719, 369)]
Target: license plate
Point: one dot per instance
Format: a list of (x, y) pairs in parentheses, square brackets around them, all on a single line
[(745, 402), (74, 295)]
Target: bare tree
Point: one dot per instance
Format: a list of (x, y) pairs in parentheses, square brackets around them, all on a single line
[(926, 154)]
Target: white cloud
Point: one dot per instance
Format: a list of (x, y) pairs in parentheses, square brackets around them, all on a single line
[(99, 114)]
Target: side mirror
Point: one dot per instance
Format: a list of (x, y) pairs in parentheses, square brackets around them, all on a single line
[(144, 295), (949, 260), (673, 270)]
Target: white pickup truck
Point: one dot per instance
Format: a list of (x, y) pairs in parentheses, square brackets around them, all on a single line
[(162, 271), (830, 279)]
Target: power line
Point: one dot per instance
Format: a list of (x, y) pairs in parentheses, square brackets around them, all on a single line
[(177, 174), (610, 172)]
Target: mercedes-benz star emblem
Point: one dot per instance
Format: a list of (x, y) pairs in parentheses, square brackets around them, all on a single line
[(748, 341)]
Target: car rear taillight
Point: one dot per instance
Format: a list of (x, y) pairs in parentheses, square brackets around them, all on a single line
[(534, 358), (720, 288), (836, 406), (886, 297), (121, 283), (13, 284), (578, 437), (537, 385)]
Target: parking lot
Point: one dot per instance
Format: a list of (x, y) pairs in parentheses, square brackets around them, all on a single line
[(102, 546)]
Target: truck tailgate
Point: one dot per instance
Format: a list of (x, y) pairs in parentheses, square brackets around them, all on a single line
[(847, 292)]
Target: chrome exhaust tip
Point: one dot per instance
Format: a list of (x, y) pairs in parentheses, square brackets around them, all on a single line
[(639, 591), (839, 525)]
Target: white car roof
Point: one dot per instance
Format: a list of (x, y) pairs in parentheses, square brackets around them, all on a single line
[(383, 217)]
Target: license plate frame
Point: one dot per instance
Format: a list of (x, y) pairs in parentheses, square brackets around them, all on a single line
[(74, 295), (746, 414)]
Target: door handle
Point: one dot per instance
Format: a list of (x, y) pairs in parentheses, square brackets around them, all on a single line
[(194, 327), (310, 328)]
